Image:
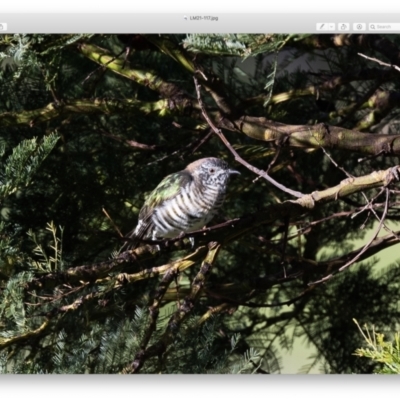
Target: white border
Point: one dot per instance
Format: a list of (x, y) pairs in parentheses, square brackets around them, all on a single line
[(174, 6), (230, 387)]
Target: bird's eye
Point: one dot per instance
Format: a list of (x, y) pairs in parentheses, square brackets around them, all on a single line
[(211, 170)]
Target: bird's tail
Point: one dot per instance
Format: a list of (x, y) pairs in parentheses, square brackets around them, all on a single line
[(130, 244), (134, 237)]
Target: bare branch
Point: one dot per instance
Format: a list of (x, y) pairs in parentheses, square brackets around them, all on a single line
[(380, 62)]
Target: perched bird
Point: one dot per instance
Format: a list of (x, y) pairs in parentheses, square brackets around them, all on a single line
[(183, 201)]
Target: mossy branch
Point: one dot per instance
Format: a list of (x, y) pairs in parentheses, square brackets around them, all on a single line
[(316, 136), (143, 77), (81, 107), (41, 331)]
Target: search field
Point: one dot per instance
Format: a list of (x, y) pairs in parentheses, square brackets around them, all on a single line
[(384, 26)]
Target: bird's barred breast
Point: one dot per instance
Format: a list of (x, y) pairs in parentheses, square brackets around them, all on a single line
[(190, 210)]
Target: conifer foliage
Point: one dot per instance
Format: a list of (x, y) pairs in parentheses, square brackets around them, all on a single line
[(90, 124)]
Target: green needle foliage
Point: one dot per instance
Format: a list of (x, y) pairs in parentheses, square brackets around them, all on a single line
[(385, 353)]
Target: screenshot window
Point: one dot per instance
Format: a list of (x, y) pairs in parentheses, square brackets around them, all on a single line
[(199, 193)]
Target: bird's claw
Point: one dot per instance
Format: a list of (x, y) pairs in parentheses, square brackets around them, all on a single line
[(394, 173)]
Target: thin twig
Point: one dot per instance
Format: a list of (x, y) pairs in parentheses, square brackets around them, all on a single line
[(112, 222), (196, 143), (334, 162), (234, 152), (202, 141), (307, 226), (380, 62), (251, 304), (270, 165), (362, 159), (154, 307), (369, 204), (363, 250), (132, 143), (103, 67), (387, 229)]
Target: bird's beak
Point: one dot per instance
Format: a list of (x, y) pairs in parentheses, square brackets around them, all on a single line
[(233, 172)]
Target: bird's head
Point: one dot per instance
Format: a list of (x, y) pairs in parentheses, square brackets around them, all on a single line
[(211, 171)]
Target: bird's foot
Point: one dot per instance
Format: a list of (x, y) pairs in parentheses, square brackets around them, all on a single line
[(192, 241), (182, 235), (157, 247), (394, 173)]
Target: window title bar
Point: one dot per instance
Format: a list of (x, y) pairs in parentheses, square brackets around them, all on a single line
[(198, 23)]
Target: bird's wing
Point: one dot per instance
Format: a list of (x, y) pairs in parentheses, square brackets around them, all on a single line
[(168, 188)]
